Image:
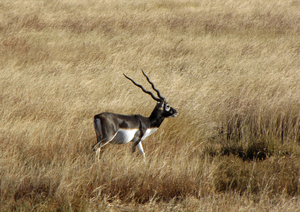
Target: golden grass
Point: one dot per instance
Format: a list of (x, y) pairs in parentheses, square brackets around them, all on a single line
[(230, 68)]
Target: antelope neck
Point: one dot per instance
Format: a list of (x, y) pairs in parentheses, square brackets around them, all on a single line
[(156, 119)]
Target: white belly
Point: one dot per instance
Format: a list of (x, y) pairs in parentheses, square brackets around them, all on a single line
[(124, 136)]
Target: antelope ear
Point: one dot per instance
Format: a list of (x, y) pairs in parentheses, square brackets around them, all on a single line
[(160, 105)]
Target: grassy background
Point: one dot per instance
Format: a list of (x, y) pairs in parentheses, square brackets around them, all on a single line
[(230, 68)]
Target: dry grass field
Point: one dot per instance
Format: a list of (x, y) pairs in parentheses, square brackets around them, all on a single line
[(230, 68)]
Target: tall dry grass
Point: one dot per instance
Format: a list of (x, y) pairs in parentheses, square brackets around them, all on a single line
[(230, 68)]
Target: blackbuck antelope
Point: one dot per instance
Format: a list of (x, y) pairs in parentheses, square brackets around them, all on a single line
[(121, 129)]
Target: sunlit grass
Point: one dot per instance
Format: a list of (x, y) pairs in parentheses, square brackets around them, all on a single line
[(231, 69)]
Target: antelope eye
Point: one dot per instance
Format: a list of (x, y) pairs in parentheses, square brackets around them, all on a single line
[(167, 107)]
